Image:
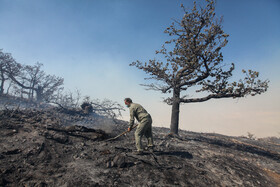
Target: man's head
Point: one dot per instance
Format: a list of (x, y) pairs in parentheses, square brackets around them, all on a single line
[(127, 102)]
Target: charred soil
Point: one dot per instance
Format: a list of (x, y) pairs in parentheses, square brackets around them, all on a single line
[(51, 147)]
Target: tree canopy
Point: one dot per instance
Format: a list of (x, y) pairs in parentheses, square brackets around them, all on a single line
[(193, 59)]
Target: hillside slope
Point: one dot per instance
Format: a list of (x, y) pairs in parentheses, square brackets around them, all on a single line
[(51, 148)]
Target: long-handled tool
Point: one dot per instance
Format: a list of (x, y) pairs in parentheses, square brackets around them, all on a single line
[(121, 134)]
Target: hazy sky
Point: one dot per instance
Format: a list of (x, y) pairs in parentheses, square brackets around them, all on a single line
[(90, 43)]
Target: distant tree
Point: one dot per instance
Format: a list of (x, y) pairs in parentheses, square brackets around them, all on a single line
[(194, 60), (34, 79), (3, 77), (67, 99), (106, 107), (251, 136), (7, 63), (33, 76)]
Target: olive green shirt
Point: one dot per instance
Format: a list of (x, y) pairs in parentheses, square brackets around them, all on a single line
[(138, 112)]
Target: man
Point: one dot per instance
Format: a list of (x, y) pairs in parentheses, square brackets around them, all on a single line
[(144, 127)]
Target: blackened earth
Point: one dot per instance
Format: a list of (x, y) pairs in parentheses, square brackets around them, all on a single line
[(52, 147)]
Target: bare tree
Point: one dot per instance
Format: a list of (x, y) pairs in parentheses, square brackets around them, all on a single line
[(34, 79), (67, 99), (69, 102), (251, 136), (7, 63), (106, 107), (33, 75), (194, 60)]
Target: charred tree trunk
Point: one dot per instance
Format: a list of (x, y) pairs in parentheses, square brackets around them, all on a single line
[(8, 89), (2, 87), (175, 111), (2, 83), (39, 94)]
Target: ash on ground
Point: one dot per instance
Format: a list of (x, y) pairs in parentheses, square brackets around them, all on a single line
[(52, 147)]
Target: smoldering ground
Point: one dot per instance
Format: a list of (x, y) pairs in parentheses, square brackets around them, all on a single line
[(51, 147)]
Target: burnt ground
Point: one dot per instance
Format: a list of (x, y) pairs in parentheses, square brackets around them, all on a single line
[(52, 147)]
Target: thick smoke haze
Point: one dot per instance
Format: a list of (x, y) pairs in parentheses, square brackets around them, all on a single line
[(91, 44)]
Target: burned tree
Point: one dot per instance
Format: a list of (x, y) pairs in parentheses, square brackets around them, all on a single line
[(7, 64), (69, 102), (87, 107), (33, 76), (67, 99), (3, 58), (34, 79), (106, 107), (194, 60)]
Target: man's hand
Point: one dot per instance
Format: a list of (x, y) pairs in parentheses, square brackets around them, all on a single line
[(129, 129)]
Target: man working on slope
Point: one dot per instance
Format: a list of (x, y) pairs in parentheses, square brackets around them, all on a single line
[(144, 127)]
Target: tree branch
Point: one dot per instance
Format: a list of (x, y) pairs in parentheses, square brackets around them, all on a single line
[(211, 96)]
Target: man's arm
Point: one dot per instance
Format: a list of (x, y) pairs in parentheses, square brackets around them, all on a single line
[(131, 121)]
